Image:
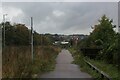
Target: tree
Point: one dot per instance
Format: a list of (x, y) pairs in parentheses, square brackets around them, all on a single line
[(104, 33), (105, 37), (19, 34)]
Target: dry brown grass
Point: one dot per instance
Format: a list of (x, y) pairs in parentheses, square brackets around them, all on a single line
[(17, 61)]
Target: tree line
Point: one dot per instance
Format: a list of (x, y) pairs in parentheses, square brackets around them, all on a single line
[(104, 36), (19, 34)]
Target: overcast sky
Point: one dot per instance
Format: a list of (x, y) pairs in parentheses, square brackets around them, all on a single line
[(60, 17)]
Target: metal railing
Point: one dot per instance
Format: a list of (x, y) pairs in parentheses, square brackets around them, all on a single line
[(103, 75)]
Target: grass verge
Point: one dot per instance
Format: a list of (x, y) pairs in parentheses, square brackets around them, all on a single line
[(107, 68), (17, 62)]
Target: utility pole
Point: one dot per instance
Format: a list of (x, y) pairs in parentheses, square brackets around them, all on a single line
[(32, 38), (4, 29)]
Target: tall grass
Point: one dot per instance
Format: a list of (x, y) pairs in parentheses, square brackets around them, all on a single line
[(110, 69), (107, 68), (17, 62)]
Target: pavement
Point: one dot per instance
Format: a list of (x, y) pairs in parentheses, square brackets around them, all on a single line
[(64, 68)]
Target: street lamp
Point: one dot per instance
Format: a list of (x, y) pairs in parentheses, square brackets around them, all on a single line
[(4, 29)]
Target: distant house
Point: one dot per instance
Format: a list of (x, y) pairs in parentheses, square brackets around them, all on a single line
[(78, 36), (68, 39), (63, 42)]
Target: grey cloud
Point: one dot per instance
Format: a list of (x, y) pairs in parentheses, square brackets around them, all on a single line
[(77, 16)]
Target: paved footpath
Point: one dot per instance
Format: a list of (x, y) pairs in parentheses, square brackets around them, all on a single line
[(64, 68)]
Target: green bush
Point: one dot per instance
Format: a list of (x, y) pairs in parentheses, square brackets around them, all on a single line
[(103, 36)]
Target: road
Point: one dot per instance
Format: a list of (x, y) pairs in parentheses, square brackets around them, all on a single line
[(64, 68)]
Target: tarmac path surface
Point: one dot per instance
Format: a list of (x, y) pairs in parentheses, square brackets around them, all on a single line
[(64, 68)]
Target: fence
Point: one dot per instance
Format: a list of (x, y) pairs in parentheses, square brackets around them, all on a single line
[(103, 75)]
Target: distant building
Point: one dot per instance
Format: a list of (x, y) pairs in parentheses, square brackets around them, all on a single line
[(68, 39), (78, 36), (63, 42)]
